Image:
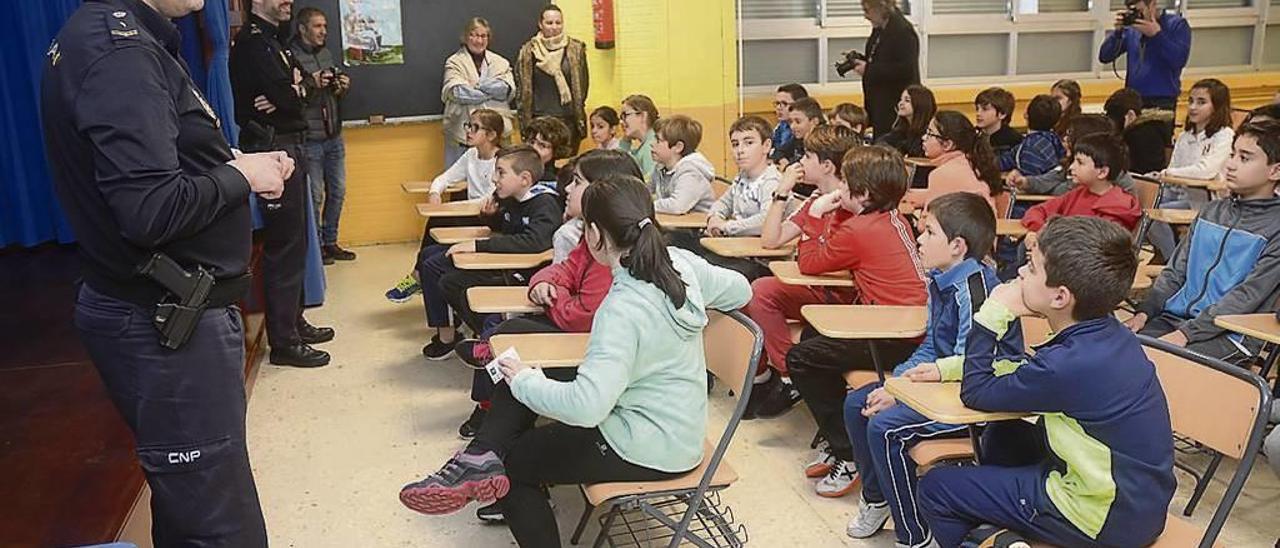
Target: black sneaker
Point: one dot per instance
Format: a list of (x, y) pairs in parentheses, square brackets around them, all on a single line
[(326, 257), (759, 393), (471, 427), (778, 399), (332, 250), (438, 350), (474, 352), (491, 514)]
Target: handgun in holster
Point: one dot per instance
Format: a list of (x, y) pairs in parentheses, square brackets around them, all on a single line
[(178, 313)]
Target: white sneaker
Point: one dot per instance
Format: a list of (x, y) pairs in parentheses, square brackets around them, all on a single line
[(839, 481), (870, 519), (821, 463)]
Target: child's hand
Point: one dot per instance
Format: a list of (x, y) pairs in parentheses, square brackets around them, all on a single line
[(827, 202), (544, 294), (1137, 322), (878, 400), (462, 247), (925, 372), (715, 225), (488, 205), (1009, 294), (1016, 179), (434, 198), (791, 175), (512, 367)]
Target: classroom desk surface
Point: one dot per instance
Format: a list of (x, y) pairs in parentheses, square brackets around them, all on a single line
[(1210, 184), (1035, 197), (454, 234), (744, 247), (852, 321), (1141, 281), (544, 349), (1010, 227), (940, 401), (789, 273), (500, 261), (1172, 216), (1259, 326), (424, 187), (501, 300), (468, 208), (919, 162), (688, 220)]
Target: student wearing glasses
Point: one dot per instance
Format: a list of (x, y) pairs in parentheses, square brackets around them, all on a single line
[(638, 116)]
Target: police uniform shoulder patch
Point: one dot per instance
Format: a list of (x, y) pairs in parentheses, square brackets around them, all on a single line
[(121, 26)]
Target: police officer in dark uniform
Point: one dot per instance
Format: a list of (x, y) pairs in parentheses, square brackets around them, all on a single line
[(269, 93), (159, 204)]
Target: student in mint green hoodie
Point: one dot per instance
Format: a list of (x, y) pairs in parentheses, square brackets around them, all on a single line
[(634, 410)]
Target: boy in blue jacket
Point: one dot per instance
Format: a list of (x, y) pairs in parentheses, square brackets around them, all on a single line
[(1106, 477), (958, 231)]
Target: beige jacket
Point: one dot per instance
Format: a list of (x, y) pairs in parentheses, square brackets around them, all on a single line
[(459, 70)]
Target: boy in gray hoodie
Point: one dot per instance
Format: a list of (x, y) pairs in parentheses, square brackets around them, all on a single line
[(1229, 263), (681, 182)]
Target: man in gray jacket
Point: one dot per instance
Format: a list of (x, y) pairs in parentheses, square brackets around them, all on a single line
[(326, 153)]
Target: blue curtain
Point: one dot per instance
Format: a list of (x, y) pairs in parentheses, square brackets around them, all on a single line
[(29, 212)]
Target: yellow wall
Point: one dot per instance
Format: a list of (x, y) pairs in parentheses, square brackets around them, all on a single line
[(682, 53)]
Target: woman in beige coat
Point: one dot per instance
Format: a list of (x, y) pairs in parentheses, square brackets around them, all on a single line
[(474, 78)]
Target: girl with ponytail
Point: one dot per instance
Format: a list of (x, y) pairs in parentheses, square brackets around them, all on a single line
[(964, 160), (634, 410)]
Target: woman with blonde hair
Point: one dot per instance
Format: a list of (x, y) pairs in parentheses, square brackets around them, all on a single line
[(474, 78), (551, 76)]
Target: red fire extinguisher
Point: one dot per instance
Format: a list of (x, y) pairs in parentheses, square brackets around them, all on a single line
[(602, 16)]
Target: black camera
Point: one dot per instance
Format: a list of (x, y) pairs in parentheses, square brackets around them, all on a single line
[(850, 58), (1130, 16), (333, 73)]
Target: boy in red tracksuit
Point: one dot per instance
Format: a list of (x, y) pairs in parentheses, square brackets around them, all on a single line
[(1099, 160), (856, 230)]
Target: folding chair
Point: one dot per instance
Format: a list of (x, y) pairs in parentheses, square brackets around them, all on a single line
[(1232, 427), (688, 508)]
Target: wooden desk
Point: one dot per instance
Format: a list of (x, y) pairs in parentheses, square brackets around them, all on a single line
[(1263, 327), (916, 161), (1172, 216), (1187, 182), (454, 234), (744, 247), (1141, 281), (940, 401), (851, 321), (468, 208), (1010, 227), (1034, 197), (500, 261), (688, 220), (544, 349), (789, 273), (424, 187), (501, 300)]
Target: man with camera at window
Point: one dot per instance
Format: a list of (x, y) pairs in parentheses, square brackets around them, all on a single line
[(890, 64), (1158, 43), (325, 150)]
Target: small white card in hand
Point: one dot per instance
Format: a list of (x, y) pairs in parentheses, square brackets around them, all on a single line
[(495, 371)]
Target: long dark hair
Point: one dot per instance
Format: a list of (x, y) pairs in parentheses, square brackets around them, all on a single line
[(1220, 98), (1071, 89), (621, 208), (923, 107), (955, 127), (598, 164)]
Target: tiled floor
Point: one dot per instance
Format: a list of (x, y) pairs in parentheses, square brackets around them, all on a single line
[(331, 447)]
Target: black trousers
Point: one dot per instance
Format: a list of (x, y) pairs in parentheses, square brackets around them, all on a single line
[(481, 384), (437, 222), (284, 253), (548, 455), (186, 409), (818, 364), (688, 239)]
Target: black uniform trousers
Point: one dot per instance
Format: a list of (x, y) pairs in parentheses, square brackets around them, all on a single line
[(284, 253), (689, 240), (186, 409)]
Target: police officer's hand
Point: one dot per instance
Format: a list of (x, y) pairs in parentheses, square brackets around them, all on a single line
[(261, 103), (860, 67), (265, 171), (1148, 27)]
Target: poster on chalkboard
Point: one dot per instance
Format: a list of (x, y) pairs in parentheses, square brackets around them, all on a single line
[(371, 32)]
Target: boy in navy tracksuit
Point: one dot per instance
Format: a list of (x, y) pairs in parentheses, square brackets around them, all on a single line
[(523, 215), (1107, 477), (958, 230), (1229, 263)]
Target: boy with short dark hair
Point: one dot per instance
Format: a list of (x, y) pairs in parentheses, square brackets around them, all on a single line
[(957, 232), (1041, 150), (741, 210), (1229, 262), (1145, 131), (804, 116), (681, 182), (993, 109), (1099, 160), (523, 215), (549, 136), (783, 138), (1106, 474)]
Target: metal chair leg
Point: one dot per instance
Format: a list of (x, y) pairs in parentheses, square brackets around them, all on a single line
[(604, 527), (1202, 485), (582, 522)]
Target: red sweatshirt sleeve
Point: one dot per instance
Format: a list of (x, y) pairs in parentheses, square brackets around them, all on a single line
[(1035, 218), (1121, 208), (827, 249), (582, 284)]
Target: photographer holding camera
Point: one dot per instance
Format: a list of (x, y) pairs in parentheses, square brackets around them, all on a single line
[(326, 152), (1158, 43), (890, 64)]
